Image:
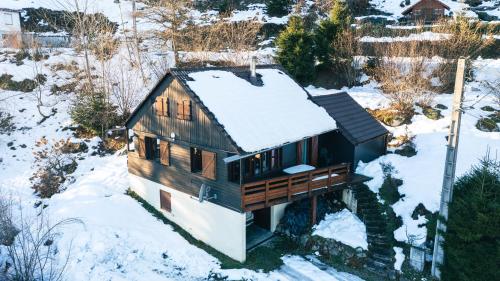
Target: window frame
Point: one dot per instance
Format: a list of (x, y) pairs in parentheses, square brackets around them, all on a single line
[(254, 165), (197, 163), (150, 148), (181, 110), (8, 15), (165, 205), (162, 106)]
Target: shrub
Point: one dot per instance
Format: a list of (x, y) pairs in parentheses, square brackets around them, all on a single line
[(94, 112), (404, 84), (431, 113), (6, 125), (486, 124), (54, 165), (26, 85), (296, 50), (471, 245), (389, 191), (278, 8), (32, 253)]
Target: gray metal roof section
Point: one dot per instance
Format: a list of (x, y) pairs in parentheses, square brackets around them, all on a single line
[(353, 121)]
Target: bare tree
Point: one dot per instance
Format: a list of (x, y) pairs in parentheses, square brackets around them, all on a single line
[(404, 83), (124, 88), (345, 61), (172, 16), (32, 253)]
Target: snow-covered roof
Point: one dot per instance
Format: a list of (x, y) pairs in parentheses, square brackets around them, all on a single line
[(262, 115)]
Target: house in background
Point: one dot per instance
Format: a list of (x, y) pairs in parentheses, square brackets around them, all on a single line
[(425, 11), (10, 28), (222, 151)]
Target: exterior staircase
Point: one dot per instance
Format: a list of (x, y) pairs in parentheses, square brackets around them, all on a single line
[(381, 255)]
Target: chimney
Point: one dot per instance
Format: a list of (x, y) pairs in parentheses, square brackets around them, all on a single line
[(253, 65)]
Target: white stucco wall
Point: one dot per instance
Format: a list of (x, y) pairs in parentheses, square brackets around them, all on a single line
[(277, 212), (9, 22), (219, 227)]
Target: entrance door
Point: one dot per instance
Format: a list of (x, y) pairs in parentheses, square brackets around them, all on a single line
[(262, 218)]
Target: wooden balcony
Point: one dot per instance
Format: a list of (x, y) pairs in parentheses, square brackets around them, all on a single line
[(265, 193)]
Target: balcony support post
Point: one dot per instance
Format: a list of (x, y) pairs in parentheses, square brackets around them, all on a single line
[(314, 203)]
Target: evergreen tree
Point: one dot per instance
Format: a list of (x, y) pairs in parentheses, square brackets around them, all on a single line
[(324, 35), (472, 239), (94, 112), (341, 14), (296, 50), (328, 29), (278, 8)]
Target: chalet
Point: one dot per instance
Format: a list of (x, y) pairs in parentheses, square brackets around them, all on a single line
[(10, 27), (221, 151), (426, 11)]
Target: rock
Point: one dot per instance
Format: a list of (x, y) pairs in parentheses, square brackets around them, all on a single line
[(486, 124), (432, 113), (441, 106), (488, 108)]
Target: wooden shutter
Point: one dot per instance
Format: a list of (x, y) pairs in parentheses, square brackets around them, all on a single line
[(208, 164), (314, 151), (142, 147), (187, 109), (165, 153), (165, 201), (180, 110), (159, 106)]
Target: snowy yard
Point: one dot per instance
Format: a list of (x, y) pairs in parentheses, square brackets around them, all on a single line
[(119, 239)]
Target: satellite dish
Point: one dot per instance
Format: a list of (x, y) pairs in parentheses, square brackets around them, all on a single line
[(205, 193)]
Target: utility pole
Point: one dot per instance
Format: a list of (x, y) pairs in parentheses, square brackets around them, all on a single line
[(449, 167)]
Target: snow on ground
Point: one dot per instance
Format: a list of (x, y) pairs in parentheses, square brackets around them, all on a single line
[(233, 100), (422, 173), (297, 268), (344, 227), (424, 36), (400, 258), (257, 12), (118, 239)]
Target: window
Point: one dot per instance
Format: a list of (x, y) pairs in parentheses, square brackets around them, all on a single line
[(162, 106), (150, 148), (184, 110), (263, 163), (165, 201), (438, 11), (203, 162), (417, 12), (8, 19), (234, 171)]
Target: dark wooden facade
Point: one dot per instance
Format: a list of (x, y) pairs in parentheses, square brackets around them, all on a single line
[(182, 135), (426, 11), (175, 119)]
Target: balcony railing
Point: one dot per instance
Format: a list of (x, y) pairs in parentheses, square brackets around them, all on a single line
[(265, 193)]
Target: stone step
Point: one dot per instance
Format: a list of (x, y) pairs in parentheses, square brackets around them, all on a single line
[(382, 258), (378, 241), (380, 250), (377, 236)]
